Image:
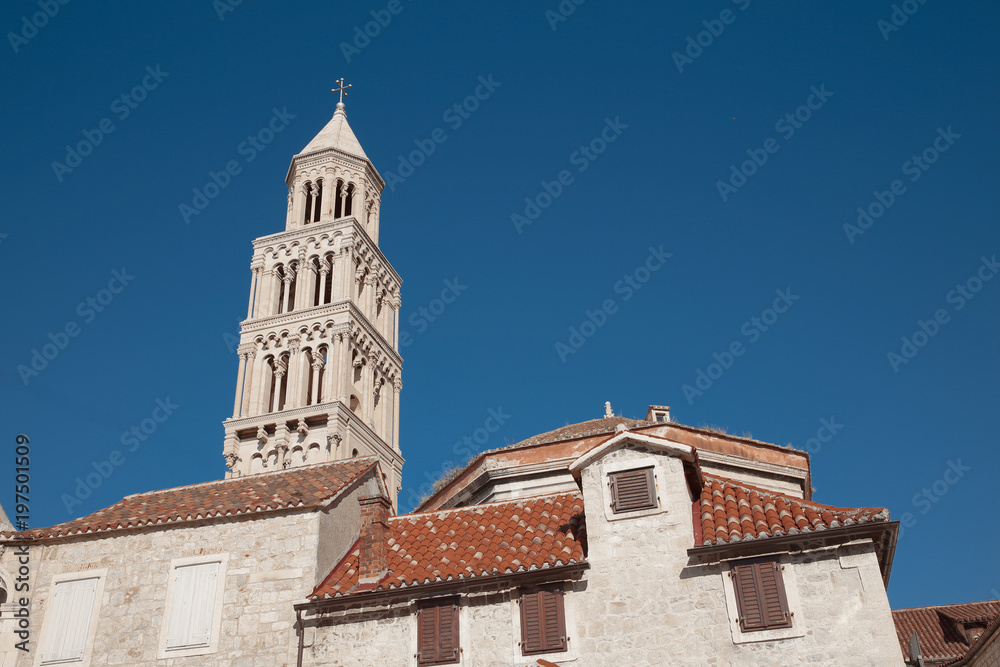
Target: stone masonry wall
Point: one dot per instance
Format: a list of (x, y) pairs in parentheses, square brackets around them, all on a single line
[(271, 566), (989, 656), (643, 603)]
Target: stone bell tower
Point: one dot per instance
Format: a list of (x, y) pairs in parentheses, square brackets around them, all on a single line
[(319, 367)]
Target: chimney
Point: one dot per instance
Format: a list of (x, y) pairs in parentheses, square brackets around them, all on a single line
[(373, 561), (658, 413)]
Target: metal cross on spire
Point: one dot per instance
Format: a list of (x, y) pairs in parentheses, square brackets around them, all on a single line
[(342, 89)]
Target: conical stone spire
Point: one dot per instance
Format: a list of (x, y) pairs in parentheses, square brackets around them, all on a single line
[(337, 135)]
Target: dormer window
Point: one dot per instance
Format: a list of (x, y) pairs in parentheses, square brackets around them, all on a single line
[(632, 490), (658, 413), (973, 630)]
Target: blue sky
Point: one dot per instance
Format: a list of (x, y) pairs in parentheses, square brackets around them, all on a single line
[(741, 153)]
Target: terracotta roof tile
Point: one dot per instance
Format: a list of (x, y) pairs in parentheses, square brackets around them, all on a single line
[(515, 536), (732, 511), (938, 627), (580, 430), (301, 487)]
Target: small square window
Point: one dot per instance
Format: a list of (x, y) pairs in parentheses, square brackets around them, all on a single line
[(632, 490)]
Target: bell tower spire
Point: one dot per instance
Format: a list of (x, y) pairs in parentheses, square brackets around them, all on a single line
[(319, 366)]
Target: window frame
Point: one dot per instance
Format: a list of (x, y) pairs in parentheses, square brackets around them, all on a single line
[(615, 480), (101, 574), (797, 628), (559, 594), (220, 586), (614, 467), (755, 572), (420, 607)]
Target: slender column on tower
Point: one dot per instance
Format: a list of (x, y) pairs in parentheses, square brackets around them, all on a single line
[(319, 194), (345, 369), (324, 274), (343, 199), (332, 368), (248, 385), (374, 221), (345, 283), (369, 404), (257, 385), (298, 203), (317, 364), (272, 282), (397, 386), (240, 374), (288, 284), (385, 391), (301, 284), (370, 299), (358, 204), (329, 195), (279, 372), (254, 272), (295, 357)]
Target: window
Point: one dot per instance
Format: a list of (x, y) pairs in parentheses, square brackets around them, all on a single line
[(632, 490), (193, 606), (193, 615), (760, 595), (543, 621), (437, 632), (68, 621)]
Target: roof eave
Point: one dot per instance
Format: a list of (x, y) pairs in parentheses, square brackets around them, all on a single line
[(373, 597), (882, 534)]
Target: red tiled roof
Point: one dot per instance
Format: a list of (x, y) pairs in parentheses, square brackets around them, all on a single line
[(301, 487), (731, 511), (938, 627), (580, 430), (499, 538)]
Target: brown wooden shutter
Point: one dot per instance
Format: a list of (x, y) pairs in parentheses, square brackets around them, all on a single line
[(760, 595), (633, 490), (543, 621), (437, 632)]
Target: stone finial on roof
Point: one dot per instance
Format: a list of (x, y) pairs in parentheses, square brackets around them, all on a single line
[(608, 412)]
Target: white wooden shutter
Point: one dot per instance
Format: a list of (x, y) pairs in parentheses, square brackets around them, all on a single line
[(69, 620), (192, 607)]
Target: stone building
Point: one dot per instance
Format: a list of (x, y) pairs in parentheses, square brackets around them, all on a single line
[(950, 634), (612, 541)]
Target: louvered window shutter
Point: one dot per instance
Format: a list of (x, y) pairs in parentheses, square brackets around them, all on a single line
[(192, 606), (543, 621), (633, 490), (438, 633), (760, 596), (68, 627)]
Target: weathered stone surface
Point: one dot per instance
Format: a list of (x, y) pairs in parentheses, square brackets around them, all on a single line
[(643, 603)]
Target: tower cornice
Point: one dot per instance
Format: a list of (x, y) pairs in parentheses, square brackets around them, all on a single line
[(317, 230), (316, 315), (325, 156)]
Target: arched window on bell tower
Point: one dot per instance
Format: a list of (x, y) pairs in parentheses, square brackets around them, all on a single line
[(292, 273), (307, 218), (316, 298), (318, 208), (328, 296), (279, 272)]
